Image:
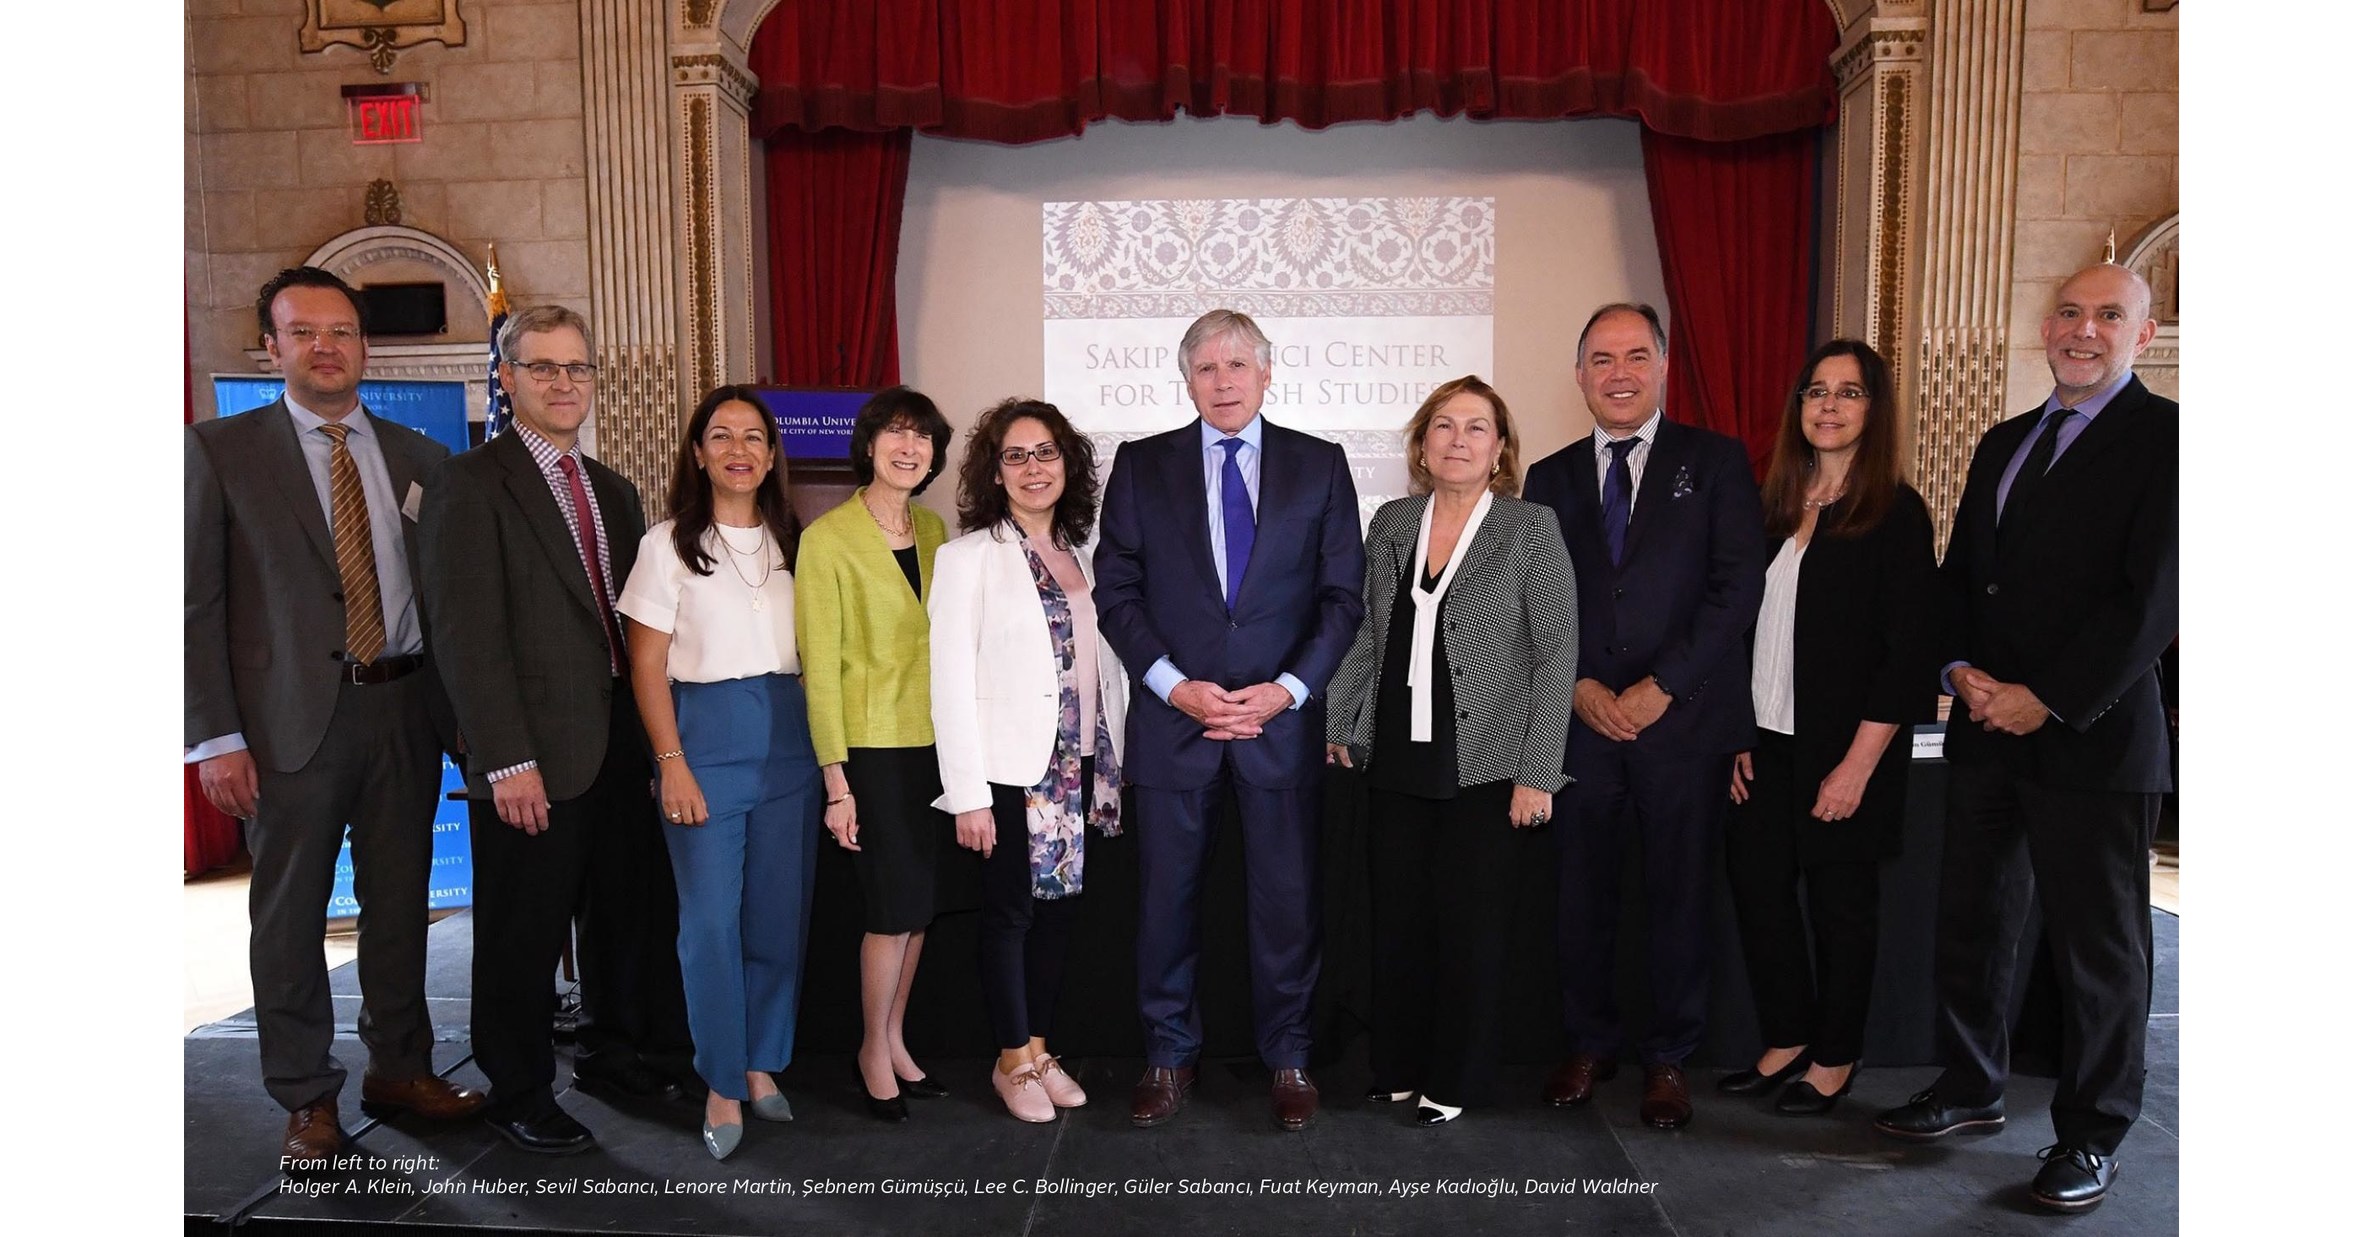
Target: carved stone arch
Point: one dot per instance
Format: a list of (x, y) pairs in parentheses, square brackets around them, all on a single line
[(2156, 255), (738, 18), (350, 253)]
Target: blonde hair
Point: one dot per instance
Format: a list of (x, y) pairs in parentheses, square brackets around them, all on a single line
[(1505, 477)]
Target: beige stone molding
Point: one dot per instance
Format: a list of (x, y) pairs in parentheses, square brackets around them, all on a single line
[(348, 254), (634, 271), (715, 219), (2156, 255), (380, 27), (1962, 375)]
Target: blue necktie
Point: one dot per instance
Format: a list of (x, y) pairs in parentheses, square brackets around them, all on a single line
[(1616, 497), (1238, 522)]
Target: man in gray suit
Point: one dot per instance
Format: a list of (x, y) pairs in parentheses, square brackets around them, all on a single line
[(306, 707), (527, 542)]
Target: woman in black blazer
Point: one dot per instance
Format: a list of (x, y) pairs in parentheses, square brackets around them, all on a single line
[(1844, 664), (1453, 701)]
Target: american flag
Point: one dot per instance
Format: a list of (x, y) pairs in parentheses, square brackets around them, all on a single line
[(496, 400)]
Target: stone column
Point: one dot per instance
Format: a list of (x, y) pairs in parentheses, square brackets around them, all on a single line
[(1963, 370), (633, 269), (712, 90)]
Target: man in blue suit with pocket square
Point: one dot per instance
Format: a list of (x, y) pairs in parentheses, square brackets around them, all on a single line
[(1666, 533), (1230, 577)]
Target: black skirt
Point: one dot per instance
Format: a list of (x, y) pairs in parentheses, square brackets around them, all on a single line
[(902, 838)]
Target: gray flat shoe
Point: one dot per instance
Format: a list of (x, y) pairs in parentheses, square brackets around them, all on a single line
[(721, 1140)]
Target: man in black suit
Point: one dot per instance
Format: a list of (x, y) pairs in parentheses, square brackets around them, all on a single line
[(2061, 578), (527, 543), (306, 709), (1230, 575), (1665, 531)]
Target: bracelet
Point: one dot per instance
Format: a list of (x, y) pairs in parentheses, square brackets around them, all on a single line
[(848, 795), (662, 757)]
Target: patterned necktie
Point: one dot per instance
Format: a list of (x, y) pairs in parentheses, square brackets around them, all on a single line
[(1616, 497), (586, 536), (2032, 470), (356, 551), (1238, 522)]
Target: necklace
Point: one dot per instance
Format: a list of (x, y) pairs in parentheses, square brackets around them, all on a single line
[(884, 527), (762, 549), (1816, 504)]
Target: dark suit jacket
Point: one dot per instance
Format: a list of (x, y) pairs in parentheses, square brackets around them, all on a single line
[(2078, 602), (1864, 650), (1299, 603), (264, 606), (513, 616), (1680, 604)]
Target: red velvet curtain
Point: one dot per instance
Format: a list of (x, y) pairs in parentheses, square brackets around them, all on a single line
[(1025, 70), (209, 837), (1735, 237), (836, 222), (1730, 95)]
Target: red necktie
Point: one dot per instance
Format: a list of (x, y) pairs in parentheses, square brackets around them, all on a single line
[(586, 535)]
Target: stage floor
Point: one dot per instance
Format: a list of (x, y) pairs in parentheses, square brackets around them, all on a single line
[(962, 1166)]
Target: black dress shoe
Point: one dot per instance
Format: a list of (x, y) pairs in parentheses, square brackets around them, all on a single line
[(550, 1132), (1749, 1082), (1924, 1118), (1800, 1099), (626, 1075), (1381, 1095), (921, 1088), (2073, 1180), (1429, 1116), (890, 1109)]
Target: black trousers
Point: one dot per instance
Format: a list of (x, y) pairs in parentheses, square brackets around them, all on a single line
[(2085, 856), (1816, 994), (1676, 802), (1440, 926), (377, 768), (603, 859), (1021, 945)]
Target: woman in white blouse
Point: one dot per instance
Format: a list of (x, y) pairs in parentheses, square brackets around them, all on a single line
[(712, 612), (1028, 708)]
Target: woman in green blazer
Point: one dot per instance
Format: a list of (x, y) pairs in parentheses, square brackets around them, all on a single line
[(861, 630)]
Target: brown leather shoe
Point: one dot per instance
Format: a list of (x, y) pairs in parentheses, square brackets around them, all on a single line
[(1294, 1099), (431, 1097), (313, 1135), (1160, 1093), (1572, 1082), (1665, 1097)]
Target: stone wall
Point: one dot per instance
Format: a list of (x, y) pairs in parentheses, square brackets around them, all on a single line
[(272, 172), (2098, 148)]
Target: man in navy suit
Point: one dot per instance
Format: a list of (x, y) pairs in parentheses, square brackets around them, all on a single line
[(2062, 574), (1667, 536), (1230, 577)]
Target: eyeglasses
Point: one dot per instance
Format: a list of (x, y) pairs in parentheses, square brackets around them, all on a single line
[(306, 334), (548, 371), (1016, 457), (1850, 393)]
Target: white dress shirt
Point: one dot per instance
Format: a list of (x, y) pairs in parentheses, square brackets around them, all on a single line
[(718, 630), (1637, 460)]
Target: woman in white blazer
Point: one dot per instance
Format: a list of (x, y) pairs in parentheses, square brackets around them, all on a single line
[(1028, 706)]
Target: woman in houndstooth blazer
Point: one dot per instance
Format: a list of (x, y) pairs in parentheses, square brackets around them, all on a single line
[(1453, 700)]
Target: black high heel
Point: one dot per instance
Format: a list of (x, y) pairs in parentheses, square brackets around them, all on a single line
[(1799, 1099), (885, 1110), (1749, 1082), (920, 1088)]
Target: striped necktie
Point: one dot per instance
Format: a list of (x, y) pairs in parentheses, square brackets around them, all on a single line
[(356, 552)]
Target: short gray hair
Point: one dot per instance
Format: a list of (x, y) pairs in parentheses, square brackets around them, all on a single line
[(1647, 312), (536, 320), (1214, 324)]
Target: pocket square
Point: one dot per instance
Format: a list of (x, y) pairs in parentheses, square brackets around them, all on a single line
[(1682, 486)]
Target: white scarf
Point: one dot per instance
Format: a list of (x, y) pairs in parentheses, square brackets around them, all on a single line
[(1424, 605)]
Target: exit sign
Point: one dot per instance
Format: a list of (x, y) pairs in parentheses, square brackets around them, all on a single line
[(384, 113)]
